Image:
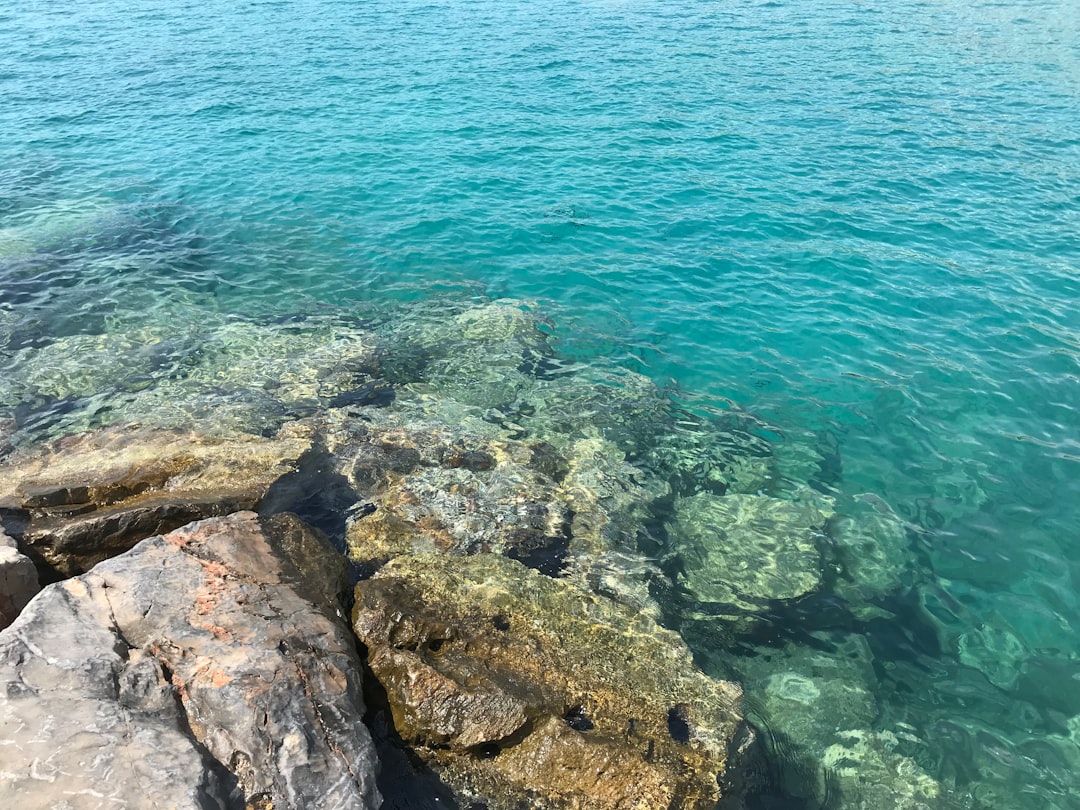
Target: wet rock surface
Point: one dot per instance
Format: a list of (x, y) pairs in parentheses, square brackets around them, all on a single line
[(528, 691), (90, 496), (200, 669), (424, 485)]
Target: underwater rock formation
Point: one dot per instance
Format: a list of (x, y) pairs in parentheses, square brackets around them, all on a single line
[(799, 696), (202, 669), (718, 456), (43, 227), (463, 489), (873, 550), (460, 439), (527, 690), (88, 497), (736, 553), (219, 374), (871, 773)]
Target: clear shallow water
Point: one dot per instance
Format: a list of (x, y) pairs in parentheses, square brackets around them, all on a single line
[(860, 222)]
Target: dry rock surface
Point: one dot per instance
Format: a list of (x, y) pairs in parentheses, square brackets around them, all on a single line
[(90, 496), (201, 669), (529, 691), (18, 580)]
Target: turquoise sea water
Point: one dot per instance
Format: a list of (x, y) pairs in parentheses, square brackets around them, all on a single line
[(858, 221)]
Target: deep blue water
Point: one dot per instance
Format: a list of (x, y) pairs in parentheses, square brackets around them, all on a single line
[(858, 220)]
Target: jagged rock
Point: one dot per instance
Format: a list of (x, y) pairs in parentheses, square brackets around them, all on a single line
[(446, 486), (18, 580), (199, 670), (738, 552), (90, 496), (529, 691)]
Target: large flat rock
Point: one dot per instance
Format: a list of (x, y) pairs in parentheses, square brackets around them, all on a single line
[(201, 669), (91, 496)]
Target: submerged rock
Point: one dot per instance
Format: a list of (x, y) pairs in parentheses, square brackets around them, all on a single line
[(91, 496), (873, 549), (718, 456), (474, 356), (45, 226), (464, 489), (209, 372), (994, 650), (799, 696), (199, 670), (529, 691), (871, 773), (18, 580), (739, 552)]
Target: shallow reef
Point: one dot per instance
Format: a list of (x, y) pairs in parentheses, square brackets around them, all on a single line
[(543, 516)]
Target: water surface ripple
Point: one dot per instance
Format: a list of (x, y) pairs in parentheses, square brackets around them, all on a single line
[(859, 221)]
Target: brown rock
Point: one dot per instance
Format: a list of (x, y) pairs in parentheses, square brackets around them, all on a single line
[(196, 671), (88, 497), (529, 691)]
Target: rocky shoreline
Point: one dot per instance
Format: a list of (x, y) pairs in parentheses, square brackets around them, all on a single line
[(315, 564)]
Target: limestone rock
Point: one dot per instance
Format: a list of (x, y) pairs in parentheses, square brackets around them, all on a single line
[(529, 691), (90, 496), (738, 552), (18, 580), (198, 670)]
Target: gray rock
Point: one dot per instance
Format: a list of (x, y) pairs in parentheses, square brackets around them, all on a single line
[(198, 670), (18, 580)]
